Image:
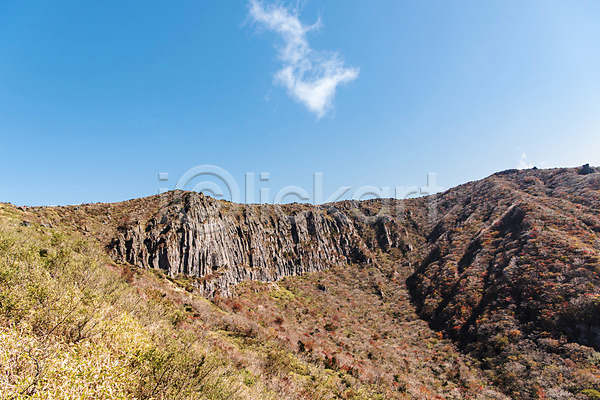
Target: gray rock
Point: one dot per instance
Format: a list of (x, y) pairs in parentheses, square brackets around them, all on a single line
[(586, 170), (224, 243)]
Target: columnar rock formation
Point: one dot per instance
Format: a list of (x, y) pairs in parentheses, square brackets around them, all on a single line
[(225, 243)]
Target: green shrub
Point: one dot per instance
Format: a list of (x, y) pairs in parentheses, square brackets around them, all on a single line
[(591, 394)]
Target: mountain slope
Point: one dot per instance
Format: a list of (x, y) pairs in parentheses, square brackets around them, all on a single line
[(511, 272), (76, 325), (506, 267)]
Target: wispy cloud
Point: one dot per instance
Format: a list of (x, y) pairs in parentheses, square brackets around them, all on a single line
[(310, 76), (523, 161)]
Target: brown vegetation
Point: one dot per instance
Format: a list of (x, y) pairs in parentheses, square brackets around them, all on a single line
[(491, 289)]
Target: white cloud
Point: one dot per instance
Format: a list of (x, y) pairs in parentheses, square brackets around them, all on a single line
[(310, 76), (523, 161)]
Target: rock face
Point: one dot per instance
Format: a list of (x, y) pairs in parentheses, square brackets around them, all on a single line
[(225, 243)]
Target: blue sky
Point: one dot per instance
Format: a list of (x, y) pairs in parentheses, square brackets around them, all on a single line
[(97, 98)]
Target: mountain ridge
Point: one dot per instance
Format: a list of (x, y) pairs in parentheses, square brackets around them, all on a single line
[(508, 267)]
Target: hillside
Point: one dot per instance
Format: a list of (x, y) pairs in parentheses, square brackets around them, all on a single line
[(511, 272), (488, 290)]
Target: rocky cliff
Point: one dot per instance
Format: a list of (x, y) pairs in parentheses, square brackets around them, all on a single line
[(224, 243)]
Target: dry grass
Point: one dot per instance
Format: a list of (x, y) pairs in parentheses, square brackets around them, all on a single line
[(72, 328)]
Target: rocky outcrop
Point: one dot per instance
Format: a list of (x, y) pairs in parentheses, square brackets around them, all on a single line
[(586, 170), (225, 243)]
